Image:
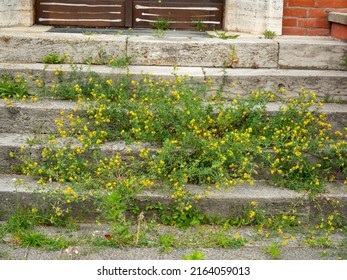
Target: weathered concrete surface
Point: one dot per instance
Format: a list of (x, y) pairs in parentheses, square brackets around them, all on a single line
[(254, 248), (220, 204), (327, 84), (38, 117), (202, 52), (251, 52), (33, 47), (12, 143), (254, 16), (16, 12), (338, 17), (32, 117), (311, 54)]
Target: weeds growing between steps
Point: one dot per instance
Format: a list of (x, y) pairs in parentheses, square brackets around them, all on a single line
[(199, 138)]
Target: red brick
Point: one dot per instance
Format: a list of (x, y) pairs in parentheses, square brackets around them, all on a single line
[(339, 31), (317, 13), (331, 3), (293, 31), (290, 22), (301, 3), (314, 22), (318, 32), (294, 12)]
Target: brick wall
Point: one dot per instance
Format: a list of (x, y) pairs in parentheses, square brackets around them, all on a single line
[(309, 17)]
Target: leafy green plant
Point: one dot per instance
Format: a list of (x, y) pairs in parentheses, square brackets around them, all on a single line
[(104, 58), (344, 62), (273, 250), (120, 62), (230, 242), (54, 58), (167, 241), (232, 57), (39, 240), (195, 255), (16, 88), (268, 34), (222, 35), (181, 213), (161, 24), (199, 24), (114, 206)]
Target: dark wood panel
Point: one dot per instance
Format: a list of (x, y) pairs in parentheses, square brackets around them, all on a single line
[(181, 16), (54, 15), (99, 13), (185, 2)]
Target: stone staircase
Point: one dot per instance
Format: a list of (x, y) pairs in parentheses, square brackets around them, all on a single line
[(288, 62)]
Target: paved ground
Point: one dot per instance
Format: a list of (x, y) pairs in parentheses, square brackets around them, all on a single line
[(255, 248)]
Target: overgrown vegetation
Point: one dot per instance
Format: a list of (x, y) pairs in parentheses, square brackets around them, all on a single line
[(195, 137)]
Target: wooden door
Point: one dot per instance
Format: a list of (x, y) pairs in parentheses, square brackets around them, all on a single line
[(130, 13)]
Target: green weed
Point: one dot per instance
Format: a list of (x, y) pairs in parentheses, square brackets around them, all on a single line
[(274, 251), (39, 240), (166, 242), (222, 35), (16, 88), (161, 24), (344, 62), (195, 255), (199, 24), (268, 34), (54, 58)]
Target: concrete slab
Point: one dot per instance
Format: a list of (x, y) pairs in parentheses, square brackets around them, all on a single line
[(33, 47), (220, 203), (253, 249), (202, 52), (32, 117), (327, 84), (338, 17), (311, 54)]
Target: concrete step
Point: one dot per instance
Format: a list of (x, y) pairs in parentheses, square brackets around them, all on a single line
[(327, 84), (38, 117), (188, 240), (219, 203), (250, 51), (12, 143)]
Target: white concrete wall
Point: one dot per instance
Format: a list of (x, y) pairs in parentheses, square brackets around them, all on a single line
[(16, 13), (253, 16)]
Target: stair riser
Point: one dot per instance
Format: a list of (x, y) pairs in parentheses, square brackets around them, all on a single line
[(328, 85), (323, 55), (274, 201), (32, 117), (194, 51), (38, 117)]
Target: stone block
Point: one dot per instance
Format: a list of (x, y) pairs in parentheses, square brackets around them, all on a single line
[(254, 16), (204, 52), (311, 54), (33, 47)]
